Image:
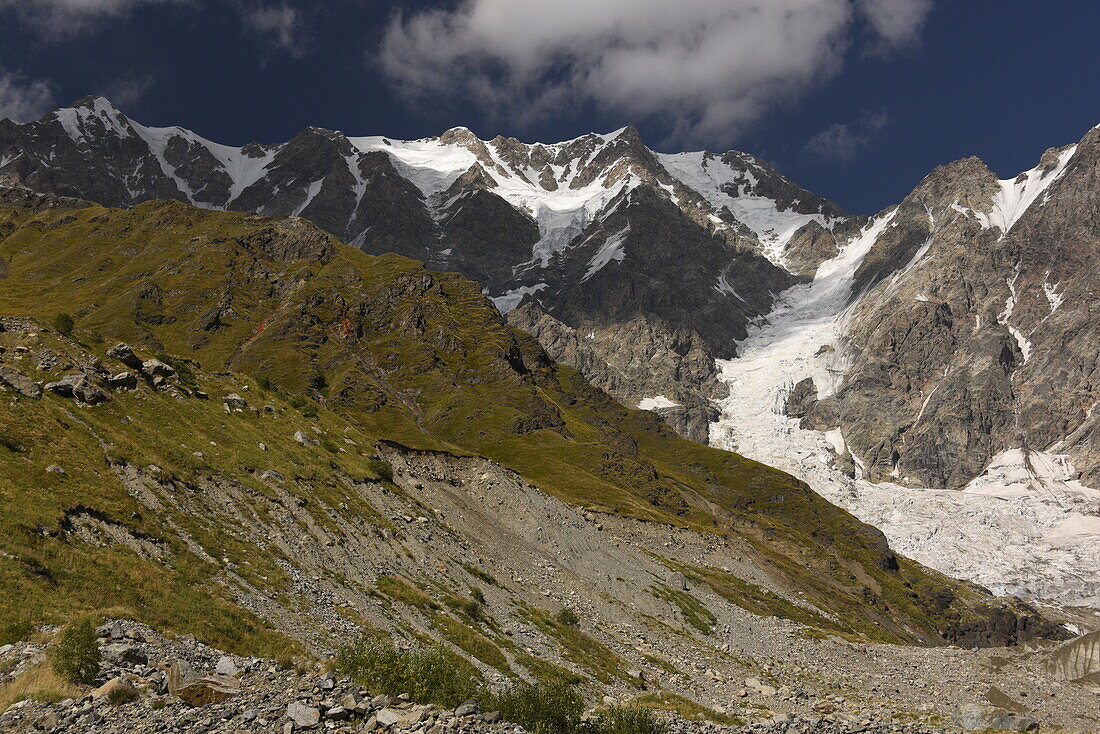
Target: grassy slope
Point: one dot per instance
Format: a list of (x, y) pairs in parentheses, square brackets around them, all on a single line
[(422, 358)]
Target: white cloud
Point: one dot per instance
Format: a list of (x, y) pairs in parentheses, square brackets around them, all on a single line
[(845, 141), (897, 23), (706, 69), (24, 99), (129, 89), (280, 23), (57, 19)]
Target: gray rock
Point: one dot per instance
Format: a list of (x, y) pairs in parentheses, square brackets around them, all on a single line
[(125, 654), (235, 402), (199, 690), (156, 368), (303, 716), (976, 717), (79, 386), (226, 666), (123, 381), (54, 469), (468, 708), (20, 383), (303, 439), (123, 353)]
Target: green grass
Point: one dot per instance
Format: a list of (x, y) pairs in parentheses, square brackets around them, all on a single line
[(693, 611), (338, 339), (683, 707), (581, 649), (429, 674)]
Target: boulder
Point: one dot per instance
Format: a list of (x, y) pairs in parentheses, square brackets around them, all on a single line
[(123, 353), (976, 717), (156, 368), (226, 666), (235, 402), (199, 690), (304, 439), (303, 716), (20, 383), (124, 654), (123, 381), (78, 385), (390, 716)]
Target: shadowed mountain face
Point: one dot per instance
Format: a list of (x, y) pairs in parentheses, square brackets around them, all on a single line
[(601, 235), (970, 323)]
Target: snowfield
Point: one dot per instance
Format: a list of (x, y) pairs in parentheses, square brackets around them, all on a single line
[(1025, 527)]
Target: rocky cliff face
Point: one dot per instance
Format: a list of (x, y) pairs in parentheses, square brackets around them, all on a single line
[(975, 331), (604, 234)]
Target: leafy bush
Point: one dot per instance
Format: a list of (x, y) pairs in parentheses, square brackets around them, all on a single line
[(183, 370), (63, 324), (264, 382), (75, 655), (121, 695), (567, 617), (477, 595), (627, 720), (429, 674), (15, 632), (381, 469), (541, 708)]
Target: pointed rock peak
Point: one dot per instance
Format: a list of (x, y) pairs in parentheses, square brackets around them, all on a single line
[(94, 102), (475, 178), (459, 135), (628, 135)]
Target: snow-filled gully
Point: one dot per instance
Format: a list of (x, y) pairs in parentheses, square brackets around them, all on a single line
[(1024, 527)]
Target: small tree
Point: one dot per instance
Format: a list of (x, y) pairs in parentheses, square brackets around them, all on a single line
[(63, 323), (75, 655), (568, 617)]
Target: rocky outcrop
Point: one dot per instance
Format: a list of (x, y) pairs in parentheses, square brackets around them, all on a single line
[(974, 330), (521, 219)]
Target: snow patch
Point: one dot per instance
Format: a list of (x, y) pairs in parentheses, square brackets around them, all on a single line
[(610, 250), (655, 402), (510, 300), (1016, 195)]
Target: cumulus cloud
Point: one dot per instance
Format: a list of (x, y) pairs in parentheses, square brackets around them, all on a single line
[(896, 23), (129, 89), (282, 24), (58, 19), (705, 69), (23, 99), (845, 141)]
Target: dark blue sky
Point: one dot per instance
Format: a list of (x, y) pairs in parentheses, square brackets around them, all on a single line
[(999, 79)]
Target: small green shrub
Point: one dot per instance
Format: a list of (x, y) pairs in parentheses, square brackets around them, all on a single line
[(63, 324), (264, 383), (96, 337), (121, 695), (183, 370), (15, 632), (477, 595), (541, 708), (75, 655), (567, 616), (429, 674), (381, 469), (628, 720)]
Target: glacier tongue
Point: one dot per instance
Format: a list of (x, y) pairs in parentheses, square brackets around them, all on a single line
[(1024, 527)]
